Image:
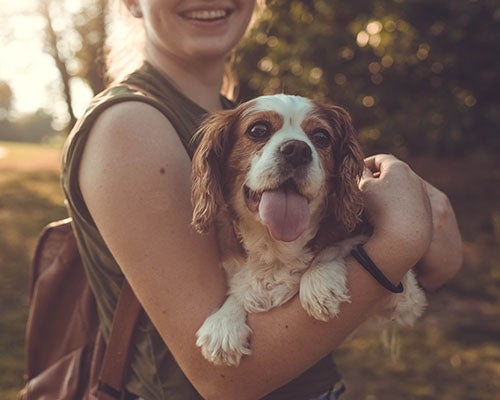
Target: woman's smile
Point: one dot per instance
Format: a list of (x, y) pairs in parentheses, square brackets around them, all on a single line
[(194, 29), (207, 15)]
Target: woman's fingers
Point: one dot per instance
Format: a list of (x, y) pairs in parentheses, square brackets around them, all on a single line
[(378, 162)]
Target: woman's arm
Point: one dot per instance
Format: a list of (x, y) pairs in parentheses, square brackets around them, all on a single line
[(444, 257), (135, 178)]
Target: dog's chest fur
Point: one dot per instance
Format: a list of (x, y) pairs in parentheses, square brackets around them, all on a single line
[(267, 279)]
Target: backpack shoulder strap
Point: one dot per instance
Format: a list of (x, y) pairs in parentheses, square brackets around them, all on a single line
[(117, 355), (116, 359)]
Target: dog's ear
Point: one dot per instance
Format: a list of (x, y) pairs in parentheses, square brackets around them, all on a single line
[(207, 168), (348, 169)]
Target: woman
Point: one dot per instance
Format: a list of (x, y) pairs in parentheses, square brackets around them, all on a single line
[(127, 181)]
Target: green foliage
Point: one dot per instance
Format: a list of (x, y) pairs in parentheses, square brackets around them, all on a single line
[(74, 36), (418, 76)]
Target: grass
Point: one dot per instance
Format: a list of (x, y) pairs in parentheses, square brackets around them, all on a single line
[(453, 353)]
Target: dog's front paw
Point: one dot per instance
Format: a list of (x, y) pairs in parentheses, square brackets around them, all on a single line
[(323, 289), (223, 341)]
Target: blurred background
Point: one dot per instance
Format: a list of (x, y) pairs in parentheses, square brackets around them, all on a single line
[(421, 79)]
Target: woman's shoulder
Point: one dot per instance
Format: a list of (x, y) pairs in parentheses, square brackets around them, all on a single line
[(109, 99), (133, 124), (129, 114), (116, 111)]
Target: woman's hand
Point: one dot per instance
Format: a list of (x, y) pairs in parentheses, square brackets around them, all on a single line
[(397, 206), (415, 216), (444, 256)]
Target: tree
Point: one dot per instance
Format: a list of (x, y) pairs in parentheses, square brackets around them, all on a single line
[(6, 97), (75, 39), (417, 75)]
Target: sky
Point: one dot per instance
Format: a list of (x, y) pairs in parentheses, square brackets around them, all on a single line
[(29, 71)]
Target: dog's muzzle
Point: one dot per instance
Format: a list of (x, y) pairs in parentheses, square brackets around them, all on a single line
[(296, 153)]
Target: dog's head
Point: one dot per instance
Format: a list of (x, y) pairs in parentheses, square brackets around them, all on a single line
[(284, 161)]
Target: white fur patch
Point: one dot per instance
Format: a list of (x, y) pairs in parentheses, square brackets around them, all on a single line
[(293, 108)]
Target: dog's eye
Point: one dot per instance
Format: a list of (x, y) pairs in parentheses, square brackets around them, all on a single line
[(258, 131), (321, 138)]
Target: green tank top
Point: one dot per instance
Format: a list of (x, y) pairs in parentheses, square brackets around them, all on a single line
[(154, 373)]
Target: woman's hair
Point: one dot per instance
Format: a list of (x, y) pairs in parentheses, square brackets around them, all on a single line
[(125, 42), (125, 46)]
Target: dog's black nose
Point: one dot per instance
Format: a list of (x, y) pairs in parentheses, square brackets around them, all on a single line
[(296, 152)]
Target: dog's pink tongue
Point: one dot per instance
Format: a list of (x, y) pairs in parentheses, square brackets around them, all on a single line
[(285, 213)]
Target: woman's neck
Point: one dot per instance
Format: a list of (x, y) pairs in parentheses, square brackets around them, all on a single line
[(200, 82)]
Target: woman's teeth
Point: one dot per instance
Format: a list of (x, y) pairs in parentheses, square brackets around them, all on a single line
[(206, 15)]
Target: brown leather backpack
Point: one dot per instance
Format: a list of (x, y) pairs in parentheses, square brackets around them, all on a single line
[(67, 358)]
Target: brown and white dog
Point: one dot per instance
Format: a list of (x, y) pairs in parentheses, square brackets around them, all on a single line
[(278, 177)]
